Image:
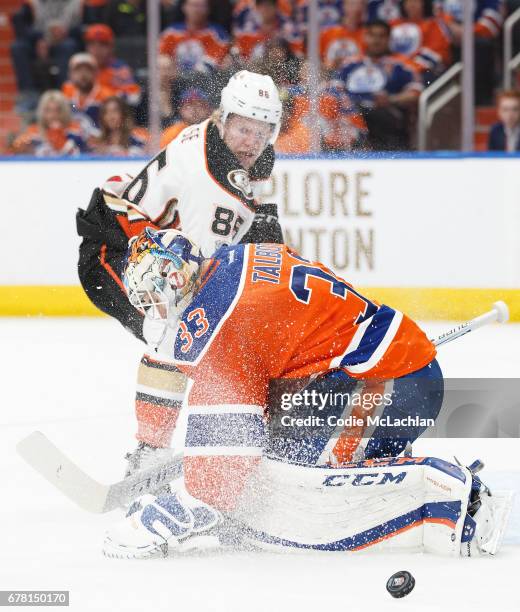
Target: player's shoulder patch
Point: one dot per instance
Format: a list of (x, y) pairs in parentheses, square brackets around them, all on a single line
[(212, 305), (239, 179)]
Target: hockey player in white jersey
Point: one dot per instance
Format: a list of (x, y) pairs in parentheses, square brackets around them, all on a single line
[(204, 182)]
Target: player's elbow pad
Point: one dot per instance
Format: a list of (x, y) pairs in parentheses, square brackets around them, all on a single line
[(265, 227)]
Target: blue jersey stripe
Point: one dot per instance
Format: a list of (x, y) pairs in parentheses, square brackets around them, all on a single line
[(225, 430), (372, 338), (217, 297)]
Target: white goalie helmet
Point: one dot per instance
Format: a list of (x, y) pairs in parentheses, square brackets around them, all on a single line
[(255, 96), (160, 272)]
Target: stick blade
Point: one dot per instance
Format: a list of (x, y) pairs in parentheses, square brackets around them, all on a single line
[(44, 457)]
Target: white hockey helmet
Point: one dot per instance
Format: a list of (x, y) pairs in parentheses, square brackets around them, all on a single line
[(255, 96), (160, 272)]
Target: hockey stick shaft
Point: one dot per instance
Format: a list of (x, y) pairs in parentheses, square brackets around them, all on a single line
[(499, 314), (58, 469)]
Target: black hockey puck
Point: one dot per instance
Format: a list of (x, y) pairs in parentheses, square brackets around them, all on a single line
[(400, 584)]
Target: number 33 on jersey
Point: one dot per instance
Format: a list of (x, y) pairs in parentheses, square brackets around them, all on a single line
[(264, 312)]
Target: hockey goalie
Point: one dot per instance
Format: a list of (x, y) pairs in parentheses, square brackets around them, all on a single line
[(256, 313)]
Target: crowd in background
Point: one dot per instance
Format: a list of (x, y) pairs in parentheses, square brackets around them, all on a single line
[(81, 69)]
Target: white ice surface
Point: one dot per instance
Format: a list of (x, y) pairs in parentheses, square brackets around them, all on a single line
[(74, 379)]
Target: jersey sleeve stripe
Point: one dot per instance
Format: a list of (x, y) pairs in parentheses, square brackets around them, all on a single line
[(367, 338), (382, 347), (227, 409), (109, 269), (225, 430), (217, 319), (162, 393), (353, 345)]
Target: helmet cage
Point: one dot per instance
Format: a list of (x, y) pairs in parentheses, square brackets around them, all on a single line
[(158, 277)]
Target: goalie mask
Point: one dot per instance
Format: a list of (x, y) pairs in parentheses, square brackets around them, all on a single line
[(160, 272)]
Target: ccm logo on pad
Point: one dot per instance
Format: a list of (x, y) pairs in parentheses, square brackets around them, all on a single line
[(361, 480)]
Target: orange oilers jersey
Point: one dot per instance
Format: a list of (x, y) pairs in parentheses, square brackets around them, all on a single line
[(194, 49), (69, 140), (88, 104), (264, 312), (338, 44), (426, 42), (118, 77)]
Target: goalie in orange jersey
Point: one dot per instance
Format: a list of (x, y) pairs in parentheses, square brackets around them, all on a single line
[(254, 314), (257, 313)]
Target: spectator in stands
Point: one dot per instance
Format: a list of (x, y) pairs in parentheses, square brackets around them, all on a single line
[(194, 46), (55, 133), (83, 90), (386, 10), (488, 19), (246, 18), (43, 45), (340, 126), (295, 135), (279, 62), (505, 135), (112, 73), (341, 42), (338, 131), (343, 128), (269, 24), (329, 14), (422, 38), (220, 11), (385, 86), (194, 107), (119, 136)]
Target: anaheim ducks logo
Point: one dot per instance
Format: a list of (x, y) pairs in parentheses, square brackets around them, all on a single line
[(240, 180)]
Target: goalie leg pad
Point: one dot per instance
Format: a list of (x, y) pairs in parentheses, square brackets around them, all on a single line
[(414, 504)]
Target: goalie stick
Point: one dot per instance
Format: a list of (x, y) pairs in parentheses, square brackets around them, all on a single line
[(93, 496), (499, 313)]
